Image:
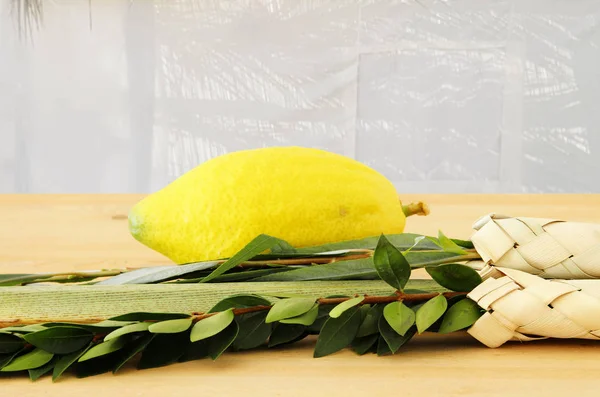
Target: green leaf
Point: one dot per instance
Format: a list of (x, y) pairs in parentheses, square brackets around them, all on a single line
[(342, 307), (101, 327), (355, 269), (240, 276), (221, 341), (9, 280), (253, 331), (287, 333), (307, 318), (145, 316), (164, 349), (448, 245), (210, 326), (131, 350), (240, 302), (255, 247), (455, 277), (430, 312), (154, 274), (291, 307), (34, 359), (461, 315), (66, 361), (382, 346), (10, 343), (337, 333), (60, 340), (282, 246), (370, 324), (364, 344), (399, 316), (170, 326), (392, 338), (7, 358), (36, 373), (195, 351), (103, 349), (24, 329), (97, 366), (390, 264), (401, 241), (128, 329)]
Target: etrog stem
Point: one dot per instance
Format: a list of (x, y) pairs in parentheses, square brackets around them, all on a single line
[(419, 208)]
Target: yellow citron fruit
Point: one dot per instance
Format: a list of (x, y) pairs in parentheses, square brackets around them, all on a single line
[(303, 196)]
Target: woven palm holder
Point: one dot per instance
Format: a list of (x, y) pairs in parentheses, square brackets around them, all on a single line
[(523, 307), (548, 248)]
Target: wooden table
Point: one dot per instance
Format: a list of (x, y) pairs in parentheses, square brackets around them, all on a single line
[(65, 232)]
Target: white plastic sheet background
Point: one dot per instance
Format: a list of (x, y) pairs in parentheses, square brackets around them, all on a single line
[(118, 96)]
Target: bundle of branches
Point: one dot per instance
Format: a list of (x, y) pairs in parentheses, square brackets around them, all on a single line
[(353, 294)]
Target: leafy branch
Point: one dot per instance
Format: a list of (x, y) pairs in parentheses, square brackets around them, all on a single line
[(379, 324), (347, 260)]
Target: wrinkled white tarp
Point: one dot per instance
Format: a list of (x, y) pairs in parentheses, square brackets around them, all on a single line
[(440, 96)]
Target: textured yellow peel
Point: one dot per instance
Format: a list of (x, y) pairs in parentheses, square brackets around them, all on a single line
[(304, 196)]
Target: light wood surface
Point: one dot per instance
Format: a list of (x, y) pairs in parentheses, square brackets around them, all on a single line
[(57, 232)]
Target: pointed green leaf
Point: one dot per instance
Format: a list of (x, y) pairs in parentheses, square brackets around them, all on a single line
[(7, 358), (60, 340), (430, 312), (364, 344), (239, 302), (195, 351), (461, 315), (455, 277), (170, 326), (337, 333), (448, 245), (287, 333), (370, 324), (210, 326), (10, 343), (342, 307), (128, 329), (97, 366), (131, 350), (282, 246), (154, 274), (253, 331), (221, 341), (36, 373), (417, 241), (390, 264), (399, 316), (100, 327), (401, 241), (64, 362), (356, 269), (287, 308), (34, 359), (255, 247), (307, 318), (392, 338), (24, 329), (146, 316), (383, 348), (164, 349), (103, 349)]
